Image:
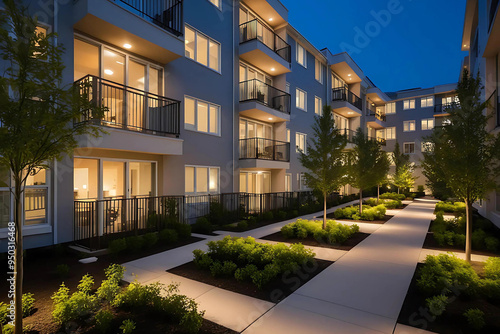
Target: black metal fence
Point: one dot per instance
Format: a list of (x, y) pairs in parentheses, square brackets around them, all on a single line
[(265, 149), (129, 108), (167, 14), (257, 30), (344, 94), (256, 90)]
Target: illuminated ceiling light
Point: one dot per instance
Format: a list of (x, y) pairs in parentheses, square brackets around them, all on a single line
[(350, 113), (119, 62), (465, 45), (273, 69), (270, 118), (108, 72), (349, 75), (259, 172), (127, 46), (186, 41), (271, 19)]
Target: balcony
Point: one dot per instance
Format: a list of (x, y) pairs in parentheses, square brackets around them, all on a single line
[(151, 27), (445, 108), (351, 133), (261, 47), (376, 120), (273, 154), (346, 103), (262, 101)]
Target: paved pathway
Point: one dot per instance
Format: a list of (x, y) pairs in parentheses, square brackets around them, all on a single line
[(363, 291)]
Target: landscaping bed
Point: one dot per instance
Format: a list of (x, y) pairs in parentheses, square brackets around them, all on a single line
[(468, 289), (355, 239)]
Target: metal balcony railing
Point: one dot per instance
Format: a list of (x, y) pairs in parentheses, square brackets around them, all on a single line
[(378, 115), (264, 149), (167, 14), (344, 94), (129, 108), (256, 90), (255, 29), (443, 108), (351, 133)]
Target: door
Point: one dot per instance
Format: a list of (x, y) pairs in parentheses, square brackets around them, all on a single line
[(136, 100)]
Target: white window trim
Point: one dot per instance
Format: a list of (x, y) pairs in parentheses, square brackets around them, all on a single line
[(196, 32), (426, 99), (393, 110), (305, 99), (410, 142), (394, 133), (321, 76), (427, 123), (320, 111), (409, 127), (297, 55), (188, 127), (208, 185), (300, 134), (409, 104), (218, 7)]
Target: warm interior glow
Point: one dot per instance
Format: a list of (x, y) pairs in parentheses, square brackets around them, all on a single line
[(273, 69), (127, 46), (108, 72), (270, 19)]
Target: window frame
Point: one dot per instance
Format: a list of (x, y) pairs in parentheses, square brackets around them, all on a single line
[(410, 103), (319, 111), (195, 51), (300, 137), (304, 64), (426, 120), (390, 110), (426, 104), (393, 133), (408, 143), (318, 69), (297, 91), (194, 128), (209, 168), (409, 127), (219, 7)]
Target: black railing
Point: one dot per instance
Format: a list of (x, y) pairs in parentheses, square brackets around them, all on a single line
[(443, 108), (167, 14), (98, 221), (378, 115), (351, 133), (129, 108), (264, 149), (344, 94), (256, 90), (255, 29)]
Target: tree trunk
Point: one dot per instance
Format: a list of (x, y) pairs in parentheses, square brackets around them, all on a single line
[(324, 211), (360, 201), (378, 193), (398, 190), (18, 254), (468, 237)]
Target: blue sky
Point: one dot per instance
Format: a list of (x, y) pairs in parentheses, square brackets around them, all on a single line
[(416, 45)]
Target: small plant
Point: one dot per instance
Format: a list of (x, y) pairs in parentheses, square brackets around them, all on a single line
[(242, 225), (491, 244), (268, 216), (202, 226), (127, 327), (492, 268), (169, 236), (134, 244), (281, 215), (103, 320), (183, 230), (475, 318), (4, 311), (117, 246), (110, 287), (28, 303), (437, 304), (62, 270), (150, 239)]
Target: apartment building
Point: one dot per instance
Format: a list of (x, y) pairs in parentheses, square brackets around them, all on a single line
[(204, 97), (481, 39)]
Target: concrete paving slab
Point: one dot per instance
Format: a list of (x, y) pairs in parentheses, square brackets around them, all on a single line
[(133, 273), (191, 288), (403, 329)]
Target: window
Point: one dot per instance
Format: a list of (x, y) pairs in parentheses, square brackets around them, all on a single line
[(408, 126), (287, 135), (390, 133), (301, 142), (427, 146), (409, 148), (301, 55), (318, 106), (216, 3), (409, 104), (201, 180), (337, 82), (301, 177), (201, 116), (288, 182), (426, 102), (450, 100), (202, 49), (301, 99), (318, 71), (427, 123), (390, 108)]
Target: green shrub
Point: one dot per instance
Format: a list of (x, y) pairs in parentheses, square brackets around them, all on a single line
[(335, 233), (281, 215), (295, 213), (288, 231), (268, 216), (4, 312), (103, 320), (475, 318), (223, 269), (183, 230), (203, 226), (388, 203), (490, 288), (393, 196), (242, 225), (110, 287), (263, 277), (201, 259), (492, 268), (245, 274), (117, 246), (437, 304), (127, 327), (150, 239), (420, 189), (169, 236), (62, 270), (450, 207), (374, 213), (8, 329), (28, 301), (478, 237), (134, 244), (491, 244), (459, 240)]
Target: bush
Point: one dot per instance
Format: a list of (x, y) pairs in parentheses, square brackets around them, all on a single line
[(437, 304), (103, 319), (245, 274), (288, 231), (110, 287), (203, 226), (335, 233), (117, 246), (183, 230), (150, 239), (450, 207), (62, 270), (491, 244), (134, 244), (459, 240), (478, 237), (242, 225), (475, 318), (281, 215), (420, 189), (169, 236), (388, 203), (295, 213), (201, 259), (268, 216), (28, 301), (127, 327), (490, 288), (393, 196), (374, 213), (4, 312), (492, 268)]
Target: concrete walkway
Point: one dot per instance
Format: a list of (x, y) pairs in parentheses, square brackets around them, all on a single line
[(364, 290)]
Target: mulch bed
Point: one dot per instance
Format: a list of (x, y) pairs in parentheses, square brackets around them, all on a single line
[(310, 241), (415, 313), (380, 222), (41, 279), (274, 292), (430, 243)]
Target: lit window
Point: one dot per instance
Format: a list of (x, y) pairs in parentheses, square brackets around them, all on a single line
[(201, 116), (301, 55), (201, 180), (427, 102), (287, 135), (427, 123), (301, 142), (318, 106), (202, 49), (301, 98), (390, 108), (302, 181), (408, 126), (409, 104), (216, 3), (318, 71), (390, 133), (409, 148)]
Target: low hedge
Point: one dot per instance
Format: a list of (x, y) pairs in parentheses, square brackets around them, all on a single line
[(450, 207), (369, 213), (388, 203), (393, 196), (335, 233), (247, 260)]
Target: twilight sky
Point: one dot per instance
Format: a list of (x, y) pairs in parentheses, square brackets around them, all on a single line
[(415, 44)]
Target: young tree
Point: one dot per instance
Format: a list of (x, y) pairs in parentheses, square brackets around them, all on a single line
[(399, 157), (465, 155), (403, 177), (369, 164), (325, 157), (36, 114), (435, 177)]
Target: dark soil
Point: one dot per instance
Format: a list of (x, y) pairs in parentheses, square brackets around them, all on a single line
[(274, 292), (430, 243), (310, 241), (415, 313), (383, 221), (41, 279), (235, 228)]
